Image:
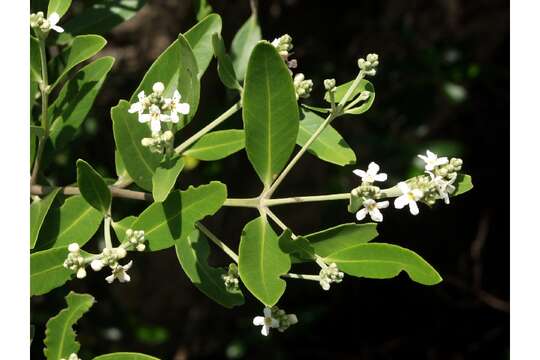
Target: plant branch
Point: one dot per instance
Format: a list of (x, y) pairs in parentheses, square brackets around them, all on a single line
[(227, 114), (107, 232), (303, 199), (44, 87), (302, 276), (227, 250)]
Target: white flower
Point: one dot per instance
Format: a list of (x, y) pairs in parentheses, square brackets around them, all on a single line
[(140, 105), (158, 88), (372, 207), (176, 106), (97, 265), (444, 188), (266, 321), (409, 197), (73, 247), (329, 275), (50, 23), (155, 117), (432, 160), (371, 175), (120, 272)]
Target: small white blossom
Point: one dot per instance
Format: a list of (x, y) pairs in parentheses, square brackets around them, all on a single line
[(329, 275), (120, 272), (140, 105), (432, 160), (444, 187), (97, 264), (45, 25), (155, 117), (371, 175), (409, 197), (267, 321), (176, 107), (372, 207)]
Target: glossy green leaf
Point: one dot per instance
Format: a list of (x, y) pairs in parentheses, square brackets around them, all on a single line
[(463, 184), (139, 162), (202, 9), (329, 145), (58, 6), (217, 145), (99, 17), (192, 252), (75, 100), (270, 112), (243, 43), (93, 188), (177, 69), (60, 338), (165, 177), (74, 222), (38, 212), (47, 270), (383, 261), (174, 219), (299, 247), (225, 67), (125, 356), (262, 262), (341, 90), (121, 226), (341, 237), (200, 40), (35, 60), (82, 48)]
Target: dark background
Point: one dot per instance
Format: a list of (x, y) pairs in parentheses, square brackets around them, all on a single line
[(443, 84)]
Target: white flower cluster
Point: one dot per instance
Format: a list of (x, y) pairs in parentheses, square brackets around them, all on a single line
[(108, 257), (75, 261), (231, 279), (369, 64), (437, 185), (302, 86), (38, 21), (274, 318), (328, 275), (156, 109), (73, 356)]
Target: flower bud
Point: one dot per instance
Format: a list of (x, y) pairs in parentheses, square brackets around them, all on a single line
[(140, 247), (81, 273), (96, 265), (73, 247), (121, 252), (158, 88), (329, 84)]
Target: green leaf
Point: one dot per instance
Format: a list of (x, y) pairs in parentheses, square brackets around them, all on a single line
[(74, 222), (262, 262), (93, 188), (47, 270), (82, 48), (225, 67), (121, 171), (38, 211), (200, 40), (463, 184), (121, 226), (139, 162), (35, 60), (270, 112), (299, 247), (174, 219), (165, 177), (383, 261), (341, 90), (58, 6), (99, 17), (177, 69), (60, 338), (365, 104), (243, 43), (193, 252), (202, 8), (75, 100), (217, 145), (125, 356), (329, 145), (341, 237)]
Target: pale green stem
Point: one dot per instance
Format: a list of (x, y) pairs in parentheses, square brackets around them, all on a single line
[(250, 202), (44, 87), (278, 221), (302, 276), (227, 114), (107, 232), (351, 89), (303, 199), (227, 250)]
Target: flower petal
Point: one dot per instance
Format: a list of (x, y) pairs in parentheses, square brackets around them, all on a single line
[(57, 28), (174, 117), (110, 278), (373, 168), (441, 161), (155, 125), (53, 19), (413, 207), (417, 193), (403, 187), (183, 108), (265, 330), (360, 173), (258, 320), (134, 108), (380, 177), (401, 202), (376, 215), (361, 214), (143, 118), (383, 204)]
